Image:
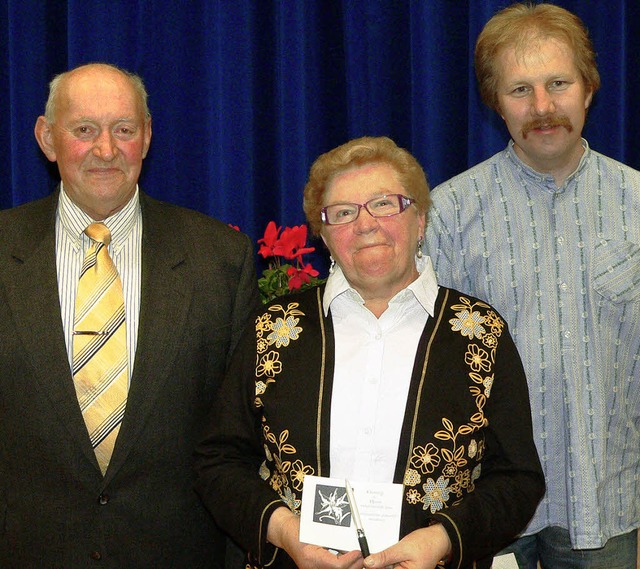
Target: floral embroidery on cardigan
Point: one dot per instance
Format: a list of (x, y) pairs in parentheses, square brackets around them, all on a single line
[(285, 476), (269, 333), (460, 453)]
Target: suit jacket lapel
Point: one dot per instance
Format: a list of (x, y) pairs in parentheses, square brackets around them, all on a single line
[(165, 298), (39, 323)]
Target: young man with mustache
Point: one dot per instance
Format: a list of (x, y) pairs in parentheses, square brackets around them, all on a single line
[(547, 231)]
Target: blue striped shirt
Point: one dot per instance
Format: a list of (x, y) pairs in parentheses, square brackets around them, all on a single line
[(562, 265), (125, 250)]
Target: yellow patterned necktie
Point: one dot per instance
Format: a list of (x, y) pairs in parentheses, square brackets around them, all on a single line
[(100, 361)]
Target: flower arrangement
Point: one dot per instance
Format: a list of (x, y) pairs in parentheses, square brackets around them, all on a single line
[(284, 250)]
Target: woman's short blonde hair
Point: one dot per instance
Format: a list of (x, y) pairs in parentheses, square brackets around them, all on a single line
[(517, 27), (360, 152)]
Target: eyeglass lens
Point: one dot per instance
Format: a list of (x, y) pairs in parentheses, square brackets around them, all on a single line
[(383, 206)]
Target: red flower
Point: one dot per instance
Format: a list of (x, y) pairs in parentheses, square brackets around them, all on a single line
[(269, 242), (291, 244), (233, 226), (298, 277), (282, 277)]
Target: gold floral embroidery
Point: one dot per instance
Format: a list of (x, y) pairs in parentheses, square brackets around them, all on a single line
[(490, 341), (262, 345), (291, 500), (413, 496), (463, 478), (270, 365), (493, 322), (285, 325), (477, 358), (284, 476), (482, 327), (263, 324), (411, 477), (468, 322), (436, 494), (450, 470), (284, 330), (275, 330), (279, 333), (298, 472), (425, 459)]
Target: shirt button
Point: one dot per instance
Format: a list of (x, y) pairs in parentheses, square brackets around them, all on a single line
[(95, 555), (103, 499)]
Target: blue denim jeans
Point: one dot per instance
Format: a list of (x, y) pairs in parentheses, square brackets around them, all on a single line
[(552, 547)]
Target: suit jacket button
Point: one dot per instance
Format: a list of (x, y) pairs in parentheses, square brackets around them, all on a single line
[(95, 555), (103, 499)]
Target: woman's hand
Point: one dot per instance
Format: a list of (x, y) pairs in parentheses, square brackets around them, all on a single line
[(283, 531), (423, 548)]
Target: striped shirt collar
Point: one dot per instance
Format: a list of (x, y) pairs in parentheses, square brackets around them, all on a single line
[(547, 179), (74, 220)]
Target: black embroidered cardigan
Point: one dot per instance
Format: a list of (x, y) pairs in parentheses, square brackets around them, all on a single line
[(466, 455)]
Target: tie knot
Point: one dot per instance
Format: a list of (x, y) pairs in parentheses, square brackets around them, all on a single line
[(99, 232)]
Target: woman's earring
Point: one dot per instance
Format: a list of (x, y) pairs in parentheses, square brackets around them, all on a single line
[(332, 267), (419, 251)]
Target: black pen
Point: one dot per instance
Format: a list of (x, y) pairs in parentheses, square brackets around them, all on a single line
[(362, 539)]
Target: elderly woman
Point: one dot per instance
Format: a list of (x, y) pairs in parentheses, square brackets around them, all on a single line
[(380, 375)]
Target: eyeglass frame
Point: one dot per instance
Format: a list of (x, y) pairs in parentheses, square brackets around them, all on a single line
[(405, 202)]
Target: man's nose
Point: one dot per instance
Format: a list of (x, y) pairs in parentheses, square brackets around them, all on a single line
[(105, 146), (542, 103)]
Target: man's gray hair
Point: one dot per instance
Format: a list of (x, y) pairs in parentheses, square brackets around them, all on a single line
[(54, 87)]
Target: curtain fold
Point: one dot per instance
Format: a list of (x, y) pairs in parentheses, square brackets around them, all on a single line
[(245, 94)]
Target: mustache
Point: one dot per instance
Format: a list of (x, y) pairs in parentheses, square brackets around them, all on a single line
[(548, 122)]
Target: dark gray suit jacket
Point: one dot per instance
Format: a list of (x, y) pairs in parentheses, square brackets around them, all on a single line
[(56, 509)]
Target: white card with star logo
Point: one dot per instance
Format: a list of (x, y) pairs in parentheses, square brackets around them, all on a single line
[(326, 517)]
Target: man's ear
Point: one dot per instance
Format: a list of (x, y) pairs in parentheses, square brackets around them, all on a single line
[(588, 99), (147, 138), (44, 136)]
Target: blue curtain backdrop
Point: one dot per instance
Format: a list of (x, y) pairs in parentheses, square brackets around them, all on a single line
[(245, 94)]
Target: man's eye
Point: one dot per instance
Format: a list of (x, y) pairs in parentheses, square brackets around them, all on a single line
[(83, 130)]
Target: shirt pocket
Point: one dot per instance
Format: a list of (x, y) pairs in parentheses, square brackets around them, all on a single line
[(616, 270)]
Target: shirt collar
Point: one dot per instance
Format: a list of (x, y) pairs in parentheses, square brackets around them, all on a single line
[(424, 288), (74, 220), (547, 179)]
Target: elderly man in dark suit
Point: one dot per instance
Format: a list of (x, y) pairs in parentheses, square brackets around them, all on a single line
[(70, 498)]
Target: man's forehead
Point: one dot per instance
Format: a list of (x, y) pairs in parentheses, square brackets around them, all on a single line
[(538, 53), (86, 91), (96, 80), (531, 45)]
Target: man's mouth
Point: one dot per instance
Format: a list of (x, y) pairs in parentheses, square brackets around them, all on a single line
[(547, 123)]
